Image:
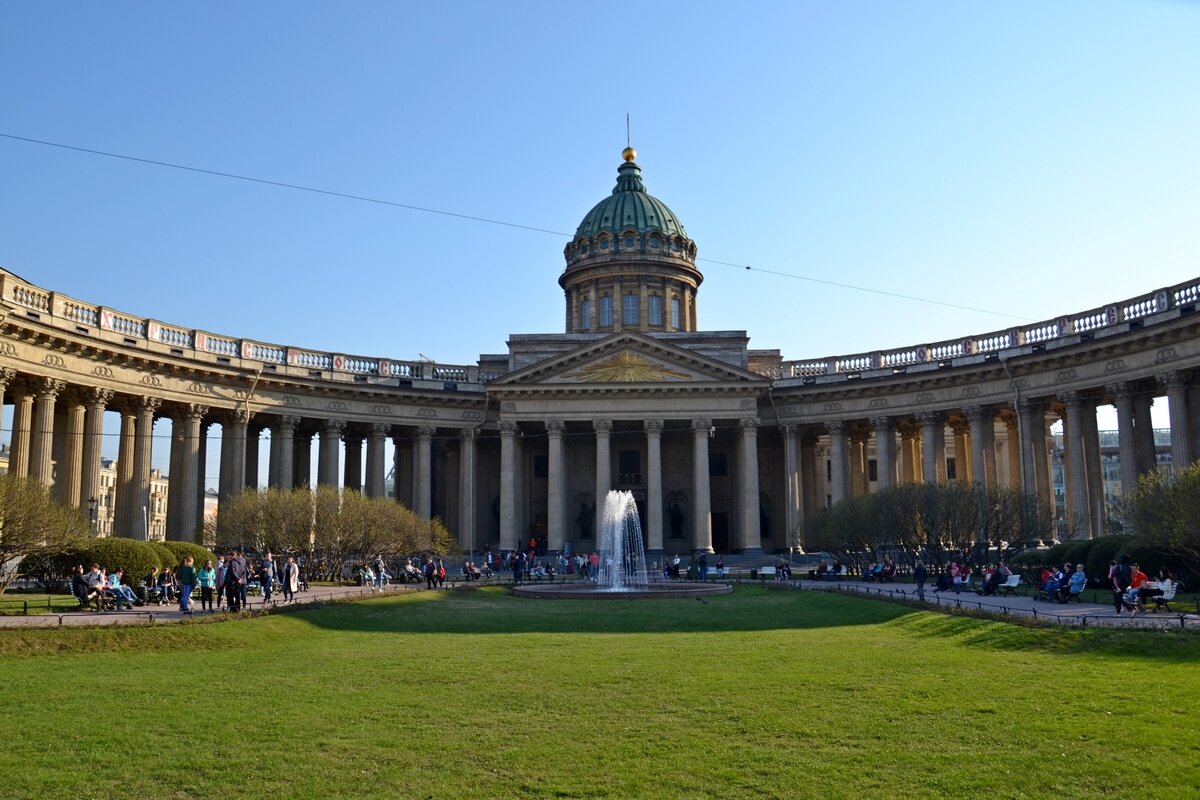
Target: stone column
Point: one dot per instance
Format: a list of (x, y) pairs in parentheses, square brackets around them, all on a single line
[(933, 446), (1181, 432), (353, 467), (983, 445), (232, 480), (963, 468), (885, 453), (859, 476), (302, 459), (812, 498), (70, 470), (201, 473), (376, 440), (1126, 441), (751, 532), (793, 495), (184, 519), (283, 439), (175, 477), (143, 448), (41, 467), (556, 487), (1093, 469), (402, 473), (22, 432), (508, 498), (1079, 520), (654, 493), (1143, 431), (702, 512), (330, 449), (603, 428), (839, 461), (250, 478), (1012, 449), (6, 377), (123, 513), (1035, 478), (466, 490), (910, 446), (93, 442), (422, 462)]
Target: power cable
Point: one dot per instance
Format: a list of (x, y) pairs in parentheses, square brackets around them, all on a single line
[(486, 220)]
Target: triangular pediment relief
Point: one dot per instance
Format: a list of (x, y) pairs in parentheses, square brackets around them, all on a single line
[(628, 358)]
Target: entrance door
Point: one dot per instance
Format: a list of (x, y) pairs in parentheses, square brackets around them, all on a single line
[(720, 531)]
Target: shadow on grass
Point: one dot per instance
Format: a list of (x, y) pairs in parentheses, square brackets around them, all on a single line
[(493, 611)]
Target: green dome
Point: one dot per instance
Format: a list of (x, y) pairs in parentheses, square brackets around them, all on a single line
[(630, 207)]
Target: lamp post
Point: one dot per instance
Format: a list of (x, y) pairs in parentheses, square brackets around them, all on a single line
[(92, 513)]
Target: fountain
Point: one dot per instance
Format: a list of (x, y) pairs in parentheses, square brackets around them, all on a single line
[(623, 574)]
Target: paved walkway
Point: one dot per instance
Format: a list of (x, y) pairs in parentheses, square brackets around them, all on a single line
[(154, 614), (1084, 613)]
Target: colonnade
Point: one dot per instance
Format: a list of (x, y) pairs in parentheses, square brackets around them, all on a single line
[(922, 455)]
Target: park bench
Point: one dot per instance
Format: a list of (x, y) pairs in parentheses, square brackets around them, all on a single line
[(1164, 599), (766, 572), (1009, 587)]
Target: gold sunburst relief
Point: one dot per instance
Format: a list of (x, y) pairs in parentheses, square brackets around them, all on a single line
[(626, 367)]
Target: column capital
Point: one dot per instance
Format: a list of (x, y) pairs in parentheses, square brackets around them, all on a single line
[(748, 424), (98, 396), (333, 427), (194, 411), (702, 425), (1071, 398), (426, 431), (960, 426), (883, 423), (653, 427), (930, 417), (1173, 380), (380, 429), (1026, 406), (603, 427), (555, 428), (467, 435), (48, 388), (1121, 390), (287, 425), (148, 405), (979, 413), (508, 429), (835, 426), (859, 435), (352, 437), (6, 375)]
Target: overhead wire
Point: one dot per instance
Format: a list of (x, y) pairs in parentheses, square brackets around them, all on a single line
[(486, 220)]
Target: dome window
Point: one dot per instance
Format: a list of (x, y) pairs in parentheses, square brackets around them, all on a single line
[(604, 244), (654, 242), (629, 242)]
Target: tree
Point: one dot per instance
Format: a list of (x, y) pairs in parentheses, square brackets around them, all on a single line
[(31, 520), (1164, 510)]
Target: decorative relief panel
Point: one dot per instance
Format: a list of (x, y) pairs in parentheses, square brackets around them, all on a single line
[(878, 402), (829, 407), (626, 367), (102, 372), (336, 405), (1065, 375), (200, 388), (8, 349), (150, 380), (1166, 354), (380, 408), (924, 397), (1116, 365), (427, 413), (54, 360), (970, 391), (472, 415), (291, 401)]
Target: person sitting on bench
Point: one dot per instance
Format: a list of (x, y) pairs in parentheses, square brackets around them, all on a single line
[(120, 592), (1155, 588)]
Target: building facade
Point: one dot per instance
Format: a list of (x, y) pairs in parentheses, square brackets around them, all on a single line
[(725, 447)]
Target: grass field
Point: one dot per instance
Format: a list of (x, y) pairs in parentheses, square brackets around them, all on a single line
[(477, 694)]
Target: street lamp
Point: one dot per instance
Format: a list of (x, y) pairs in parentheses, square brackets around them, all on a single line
[(92, 513)]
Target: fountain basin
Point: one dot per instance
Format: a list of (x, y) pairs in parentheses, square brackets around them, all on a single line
[(582, 590)]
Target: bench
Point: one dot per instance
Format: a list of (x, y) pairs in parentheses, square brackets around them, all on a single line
[(1164, 600), (766, 572), (1009, 587)]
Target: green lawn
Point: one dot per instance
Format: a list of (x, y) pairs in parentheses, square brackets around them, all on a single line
[(477, 694)]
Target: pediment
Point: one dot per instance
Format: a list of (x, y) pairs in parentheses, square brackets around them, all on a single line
[(628, 359)]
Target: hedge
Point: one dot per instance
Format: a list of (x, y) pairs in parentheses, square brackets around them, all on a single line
[(138, 559), (198, 553)]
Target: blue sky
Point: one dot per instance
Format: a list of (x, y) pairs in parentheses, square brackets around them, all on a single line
[(1028, 159)]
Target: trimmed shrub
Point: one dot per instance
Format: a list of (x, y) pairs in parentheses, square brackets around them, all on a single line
[(138, 559), (166, 556), (1151, 558), (1105, 550), (199, 554)]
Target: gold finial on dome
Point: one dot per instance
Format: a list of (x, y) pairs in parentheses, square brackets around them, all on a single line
[(629, 154)]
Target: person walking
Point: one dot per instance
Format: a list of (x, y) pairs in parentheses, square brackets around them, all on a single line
[(187, 582), (220, 583), (291, 579), (1122, 576), (920, 575), (206, 578), (235, 581), (266, 576)]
